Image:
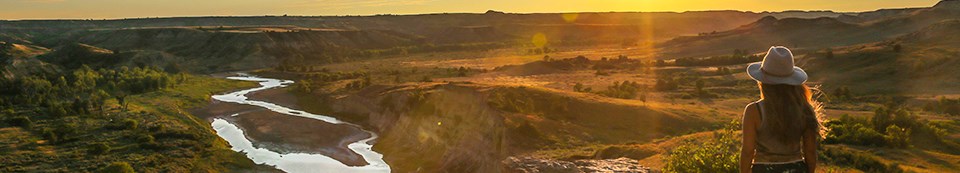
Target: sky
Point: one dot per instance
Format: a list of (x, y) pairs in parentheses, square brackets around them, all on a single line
[(114, 9)]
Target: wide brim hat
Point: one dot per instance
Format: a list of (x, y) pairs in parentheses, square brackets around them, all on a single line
[(777, 67)]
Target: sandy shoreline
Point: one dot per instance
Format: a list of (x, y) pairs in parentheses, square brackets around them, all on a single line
[(285, 133)]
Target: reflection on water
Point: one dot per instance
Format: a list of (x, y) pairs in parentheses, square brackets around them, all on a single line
[(293, 162)]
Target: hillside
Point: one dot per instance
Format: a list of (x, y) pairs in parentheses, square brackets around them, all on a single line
[(818, 33), (473, 127), (924, 65), (757, 36), (19, 59), (216, 44)]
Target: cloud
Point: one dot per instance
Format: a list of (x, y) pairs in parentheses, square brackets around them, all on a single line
[(331, 4)]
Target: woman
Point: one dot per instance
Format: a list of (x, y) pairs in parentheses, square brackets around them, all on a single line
[(780, 131)]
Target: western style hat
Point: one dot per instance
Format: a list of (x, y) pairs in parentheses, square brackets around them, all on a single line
[(777, 68)]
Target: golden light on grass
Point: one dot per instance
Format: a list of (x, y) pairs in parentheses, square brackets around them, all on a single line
[(539, 40), (570, 17)]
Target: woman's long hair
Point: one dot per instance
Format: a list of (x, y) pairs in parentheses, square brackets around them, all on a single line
[(790, 111)]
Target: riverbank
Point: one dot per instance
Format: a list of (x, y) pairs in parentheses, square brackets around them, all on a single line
[(277, 133)]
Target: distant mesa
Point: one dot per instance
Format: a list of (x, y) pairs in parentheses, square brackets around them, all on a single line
[(948, 4), (767, 20), (494, 12)]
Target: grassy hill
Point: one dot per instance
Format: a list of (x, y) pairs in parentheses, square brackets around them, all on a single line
[(216, 44), (818, 33), (924, 64)]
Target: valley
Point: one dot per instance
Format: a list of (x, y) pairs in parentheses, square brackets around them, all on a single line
[(463, 92)]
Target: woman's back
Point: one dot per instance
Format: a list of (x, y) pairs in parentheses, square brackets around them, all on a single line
[(770, 149)]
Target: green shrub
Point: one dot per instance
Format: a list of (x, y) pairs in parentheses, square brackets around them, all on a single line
[(130, 124), (118, 167), (20, 122), (50, 135), (144, 138), (66, 130), (526, 129), (851, 130), (99, 148), (897, 137), (623, 90), (858, 160), (719, 154)]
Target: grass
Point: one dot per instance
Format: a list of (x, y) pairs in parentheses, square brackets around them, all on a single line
[(543, 117), (181, 142)]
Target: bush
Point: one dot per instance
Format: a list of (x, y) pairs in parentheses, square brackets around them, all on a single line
[(66, 130), (526, 129), (720, 154), (20, 122), (145, 138), (118, 167), (50, 135), (623, 90), (858, 160), (897, 137), (130, 124), (99, 148), (850, 130)]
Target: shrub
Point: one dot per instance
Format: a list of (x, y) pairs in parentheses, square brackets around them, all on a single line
[(719, 154), (512, 100), (50, 135), (526, 129), (118, 167), (99, 148), (66, 130), (850, 130), (858, 160), (130, 124), (623, 90), (897, 137), (20, 122), (144, 138)]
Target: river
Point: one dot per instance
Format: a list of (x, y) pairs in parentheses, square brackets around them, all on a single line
[(291, 162)]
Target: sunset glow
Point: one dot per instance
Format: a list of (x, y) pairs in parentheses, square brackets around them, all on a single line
[(96, 9)]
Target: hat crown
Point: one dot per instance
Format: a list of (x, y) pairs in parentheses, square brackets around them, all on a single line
[(778, 62)]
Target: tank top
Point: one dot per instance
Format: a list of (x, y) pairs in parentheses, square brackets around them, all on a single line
[(769, 149)]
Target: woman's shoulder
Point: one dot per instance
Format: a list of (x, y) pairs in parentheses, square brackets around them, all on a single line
[(752, 111), (753, 105)]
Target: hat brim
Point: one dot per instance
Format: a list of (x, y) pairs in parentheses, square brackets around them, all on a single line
[(799, 76)]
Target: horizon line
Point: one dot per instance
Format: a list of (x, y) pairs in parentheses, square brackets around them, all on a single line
[(435, 13)]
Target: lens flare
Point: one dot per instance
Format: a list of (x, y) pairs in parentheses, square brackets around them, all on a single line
[(539, 40)]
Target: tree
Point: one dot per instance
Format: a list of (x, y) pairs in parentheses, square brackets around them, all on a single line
[(829, 53), (699, 87), (897, 137), (99, 148), (304, 86), (897, 48), (99, 98), (21, 121), (842, 93), (462, 71), (643, 96), (426, 79), (578, 87), (121, 99), (661, 63), (881, 118)]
